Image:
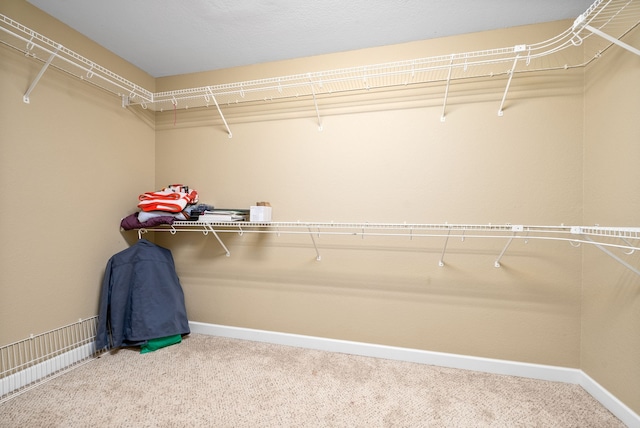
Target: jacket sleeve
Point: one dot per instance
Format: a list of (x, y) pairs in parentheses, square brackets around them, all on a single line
[(102, 330)]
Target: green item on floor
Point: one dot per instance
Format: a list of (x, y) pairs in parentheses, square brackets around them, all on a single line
[(161, 342)]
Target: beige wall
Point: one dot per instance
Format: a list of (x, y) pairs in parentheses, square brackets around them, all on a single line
[(611, 293), (70, 163), (391, 160), (379, 158)]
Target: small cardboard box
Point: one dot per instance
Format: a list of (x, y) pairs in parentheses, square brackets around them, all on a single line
[(259, 213)]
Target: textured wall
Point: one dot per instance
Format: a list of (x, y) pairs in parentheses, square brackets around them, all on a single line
[(69, 161), (386, 157), (611, 292)]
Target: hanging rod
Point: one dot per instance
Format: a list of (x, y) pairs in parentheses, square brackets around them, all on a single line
[(614, 18), (604, 238)]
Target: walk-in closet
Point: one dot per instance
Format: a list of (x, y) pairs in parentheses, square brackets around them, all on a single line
[(468, 201)]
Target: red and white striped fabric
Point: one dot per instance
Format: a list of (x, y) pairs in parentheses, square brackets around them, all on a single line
[(168, 199)]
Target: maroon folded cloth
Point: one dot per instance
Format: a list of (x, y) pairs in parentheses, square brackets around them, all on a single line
[(131, 221)]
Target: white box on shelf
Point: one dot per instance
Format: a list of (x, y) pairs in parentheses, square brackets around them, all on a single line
[(260, 213)]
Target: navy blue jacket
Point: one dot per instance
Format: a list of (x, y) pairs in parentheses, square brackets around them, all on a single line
[(141, 298)]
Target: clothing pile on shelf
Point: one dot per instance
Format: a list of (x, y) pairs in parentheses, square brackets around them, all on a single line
[(174, 202)]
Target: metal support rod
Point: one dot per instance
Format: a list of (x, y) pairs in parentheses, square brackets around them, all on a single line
[(315, 102), (212, 230), (497, 262), (220, 111), (446, 91), (25, 98), (504, 97), (613, 256), (318, 258), (446, 241), (613, 40)]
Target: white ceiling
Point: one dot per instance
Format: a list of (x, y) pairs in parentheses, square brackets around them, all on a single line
[(170, 37)]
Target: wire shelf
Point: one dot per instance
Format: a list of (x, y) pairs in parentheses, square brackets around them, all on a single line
[(562, 232), (615, 17), (626, 239), (35, 45)]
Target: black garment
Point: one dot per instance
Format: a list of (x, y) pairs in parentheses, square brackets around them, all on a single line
[(141, 298)]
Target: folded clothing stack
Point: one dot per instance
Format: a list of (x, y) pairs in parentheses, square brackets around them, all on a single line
[(173, 199), (174, 202)]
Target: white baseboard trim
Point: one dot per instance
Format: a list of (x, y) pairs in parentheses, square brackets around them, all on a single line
[(488, 365), (610, 401)]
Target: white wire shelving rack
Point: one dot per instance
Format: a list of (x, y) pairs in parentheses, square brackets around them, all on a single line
[(29, 362), (53, 54), (625, 240), (610, 20)]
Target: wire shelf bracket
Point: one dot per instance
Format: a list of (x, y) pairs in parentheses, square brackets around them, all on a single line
[(446, 90), (504, 250), (315, 103), (444, 249), (315, 246), (46, 65), (504, 97), (213, 97), (213, 231)]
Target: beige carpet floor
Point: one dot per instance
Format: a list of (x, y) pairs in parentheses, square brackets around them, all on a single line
[(210, 381)]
